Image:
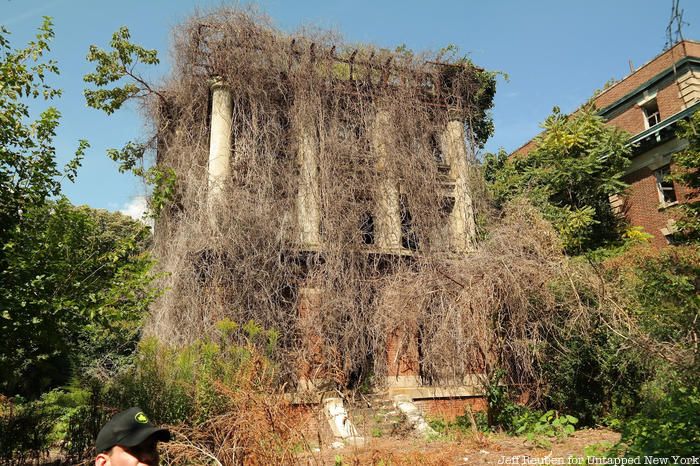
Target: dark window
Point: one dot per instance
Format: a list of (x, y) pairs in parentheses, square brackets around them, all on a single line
[(667, 192), (409, 239), (447, 205), (436, 149), (367, 228)]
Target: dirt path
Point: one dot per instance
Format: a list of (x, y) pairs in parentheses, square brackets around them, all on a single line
[(464, 449)]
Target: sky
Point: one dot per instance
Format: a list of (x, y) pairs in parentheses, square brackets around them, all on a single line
[(554, 52)]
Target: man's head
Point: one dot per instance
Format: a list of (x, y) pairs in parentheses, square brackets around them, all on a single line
[(129, 439)]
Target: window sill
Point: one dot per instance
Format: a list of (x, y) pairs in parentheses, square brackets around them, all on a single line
[(666, 206)]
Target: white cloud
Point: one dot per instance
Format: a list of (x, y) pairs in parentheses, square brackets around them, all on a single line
[(137, 208)]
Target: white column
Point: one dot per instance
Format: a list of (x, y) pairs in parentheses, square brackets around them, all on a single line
[(388, 215), (462, 225), (308, 195), (220, 139)]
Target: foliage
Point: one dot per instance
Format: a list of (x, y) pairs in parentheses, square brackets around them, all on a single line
[(219, 394), (502, 411), (539, 427), (668, 424), (577, 163), (26, 430), (117, 82), (65, 272), (28, 170), (75, 288), (115, 65), (187, 384), (686, 170), (667, 291)]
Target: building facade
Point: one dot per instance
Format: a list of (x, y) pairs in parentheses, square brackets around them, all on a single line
[(314, 182), (648, 104)]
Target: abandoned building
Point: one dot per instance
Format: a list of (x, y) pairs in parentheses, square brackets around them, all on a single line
[(648, 105), (323, 191)]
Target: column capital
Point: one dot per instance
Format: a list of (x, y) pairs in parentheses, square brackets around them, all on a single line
[(217, 82)]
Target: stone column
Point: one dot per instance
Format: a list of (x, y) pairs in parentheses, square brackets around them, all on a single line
[(220, 139), (461, 221), (308, 195), (388, 215)]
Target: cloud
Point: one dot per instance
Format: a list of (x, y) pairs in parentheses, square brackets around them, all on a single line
[(137, 208)]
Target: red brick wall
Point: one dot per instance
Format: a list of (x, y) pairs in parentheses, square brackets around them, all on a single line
[(631, 120), (402, 359), (669, 100), (642, 204), (647, 71), (449, 408)]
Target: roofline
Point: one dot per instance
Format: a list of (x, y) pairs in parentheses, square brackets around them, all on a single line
[(686, 60), (679, 44), (682, 61)]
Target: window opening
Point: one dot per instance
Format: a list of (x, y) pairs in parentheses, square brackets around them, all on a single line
[(447, 205), (436, 149), (409, 239), (667, 191), (651, 113), (367, 228)]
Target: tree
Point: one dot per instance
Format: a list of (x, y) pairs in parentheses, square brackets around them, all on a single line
[(28, 171), (72, 274), (117, 81), (686, 171), (67, 274), (578, 162)]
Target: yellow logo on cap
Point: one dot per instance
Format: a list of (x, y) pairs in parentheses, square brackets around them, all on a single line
[(141, 418)]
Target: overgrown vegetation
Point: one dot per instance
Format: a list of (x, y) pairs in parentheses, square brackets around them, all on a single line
[(572, 319), (75, 282), (686, 166), (577, 162), (243, 259), (640, 345)]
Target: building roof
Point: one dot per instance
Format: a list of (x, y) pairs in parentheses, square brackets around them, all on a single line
[(664, 64)]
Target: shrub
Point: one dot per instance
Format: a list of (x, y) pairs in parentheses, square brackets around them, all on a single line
[(26, 430), (669, 424), (219, 395)]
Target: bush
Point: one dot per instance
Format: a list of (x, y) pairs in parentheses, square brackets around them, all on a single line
[(219, 395), (26, 430), (669, 424)]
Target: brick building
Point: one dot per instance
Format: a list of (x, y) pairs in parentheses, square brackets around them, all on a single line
[(648, 104)]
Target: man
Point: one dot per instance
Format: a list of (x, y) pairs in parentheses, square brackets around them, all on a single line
[(129, 439)]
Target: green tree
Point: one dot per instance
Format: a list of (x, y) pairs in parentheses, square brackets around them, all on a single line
[(117, 81), (74, 290), (68, 275), (28, 170), (686, 171), (577, 163)]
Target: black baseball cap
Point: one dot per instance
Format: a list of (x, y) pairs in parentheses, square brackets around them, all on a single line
[(128, 429)]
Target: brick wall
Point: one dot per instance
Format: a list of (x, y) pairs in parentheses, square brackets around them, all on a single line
[(642, 206), (449, 408), (669, 100), (402, 356), (631, 120)]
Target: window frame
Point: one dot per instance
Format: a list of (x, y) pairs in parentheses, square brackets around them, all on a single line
[(661, 173)]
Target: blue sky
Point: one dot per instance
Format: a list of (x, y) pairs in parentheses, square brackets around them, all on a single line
[(556, 52)]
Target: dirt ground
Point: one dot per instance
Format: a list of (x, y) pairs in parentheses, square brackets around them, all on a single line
[(470, 448)]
